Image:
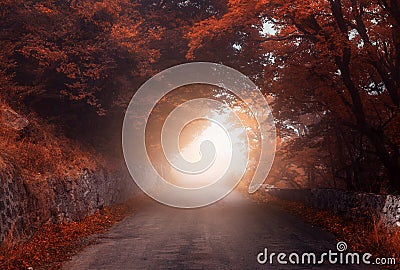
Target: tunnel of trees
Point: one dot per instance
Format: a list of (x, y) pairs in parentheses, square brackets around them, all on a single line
[(330, 67)]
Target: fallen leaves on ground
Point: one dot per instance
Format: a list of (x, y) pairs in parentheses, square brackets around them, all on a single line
[(54, 243), (361, 234)]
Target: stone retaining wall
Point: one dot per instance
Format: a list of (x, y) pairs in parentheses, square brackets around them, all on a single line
[(384, 207), (27, 205)]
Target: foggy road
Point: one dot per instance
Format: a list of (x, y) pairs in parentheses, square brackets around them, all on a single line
[(225, 235)]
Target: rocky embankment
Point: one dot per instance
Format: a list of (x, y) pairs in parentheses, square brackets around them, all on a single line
[(26, 204), (385, 208)]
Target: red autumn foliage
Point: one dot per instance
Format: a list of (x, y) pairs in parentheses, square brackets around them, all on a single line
[(361, 234), (53, 244)]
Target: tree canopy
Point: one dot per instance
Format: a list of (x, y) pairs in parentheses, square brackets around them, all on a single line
[(331, 67)]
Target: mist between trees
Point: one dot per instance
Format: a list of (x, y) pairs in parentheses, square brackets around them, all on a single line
[(331, 69)]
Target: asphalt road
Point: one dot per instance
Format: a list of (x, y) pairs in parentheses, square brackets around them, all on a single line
[(226, 235)]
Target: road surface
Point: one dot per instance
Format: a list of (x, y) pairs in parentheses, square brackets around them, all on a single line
[(226, 235)]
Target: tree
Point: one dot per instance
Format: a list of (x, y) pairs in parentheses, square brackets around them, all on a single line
[(335, 60), (339, 59)]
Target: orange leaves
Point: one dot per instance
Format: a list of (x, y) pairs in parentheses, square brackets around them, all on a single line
[(362, 234), (71, 70), (41, 50), (76, 47), (93, 71), (305, 8), (54, 243), (45, 10), (89, 9), (43, 151), (241, 14), (128, 36), (112, 7), (122, 31)]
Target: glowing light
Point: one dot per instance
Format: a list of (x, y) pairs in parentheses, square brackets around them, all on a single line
[(191, 152), (213, 162)]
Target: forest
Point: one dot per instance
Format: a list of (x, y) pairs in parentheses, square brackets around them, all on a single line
[(331, 69)]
